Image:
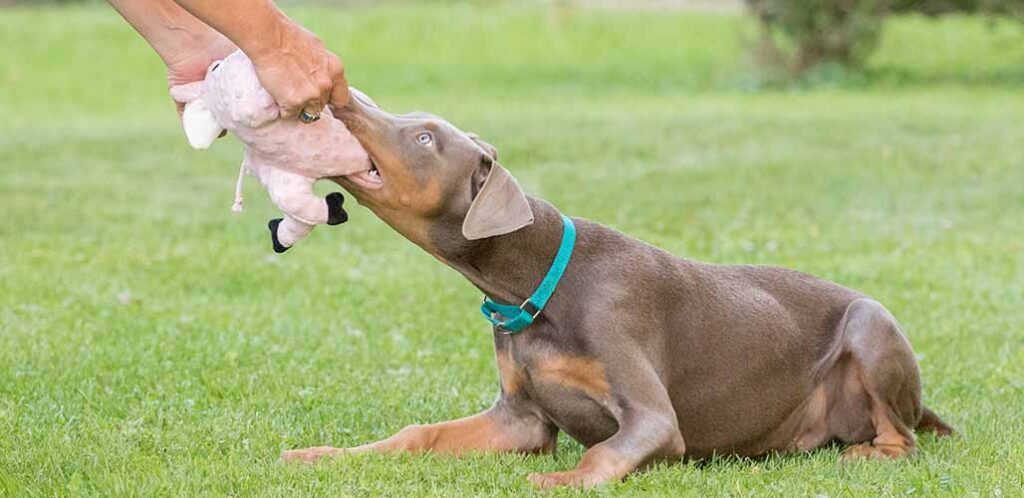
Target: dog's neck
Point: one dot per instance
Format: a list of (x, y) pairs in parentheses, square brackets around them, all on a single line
[(509, 267)]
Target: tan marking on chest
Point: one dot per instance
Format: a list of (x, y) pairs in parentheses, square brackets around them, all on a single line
[(510, 374), (575, 372)]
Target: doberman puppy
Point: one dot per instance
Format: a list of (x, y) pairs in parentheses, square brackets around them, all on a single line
[(639, 355)]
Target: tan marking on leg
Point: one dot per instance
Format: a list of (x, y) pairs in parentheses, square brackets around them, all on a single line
[(465, 435), (598, 466), (510, 374), (865, 451), (888, 443), (477, 433), (575, 372), (309, 454)]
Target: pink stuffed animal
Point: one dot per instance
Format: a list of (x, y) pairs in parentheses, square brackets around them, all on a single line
[(287, 156)]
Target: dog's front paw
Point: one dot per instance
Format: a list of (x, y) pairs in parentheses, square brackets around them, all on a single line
[(874, 452), (572, 478), (309, 455), (336, 214)]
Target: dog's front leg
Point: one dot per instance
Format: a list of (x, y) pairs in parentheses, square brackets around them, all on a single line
[(648, 433), (500, 429)]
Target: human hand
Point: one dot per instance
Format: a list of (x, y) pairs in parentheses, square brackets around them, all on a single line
[(300, 73), (189, 62)]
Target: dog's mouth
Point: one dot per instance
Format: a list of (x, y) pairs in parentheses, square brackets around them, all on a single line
[(369, 179)]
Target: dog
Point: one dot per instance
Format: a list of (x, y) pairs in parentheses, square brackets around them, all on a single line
[(639, 355)]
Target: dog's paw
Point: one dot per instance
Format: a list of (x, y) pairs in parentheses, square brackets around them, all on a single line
[(867, 451), (572, 478), (309, 455)]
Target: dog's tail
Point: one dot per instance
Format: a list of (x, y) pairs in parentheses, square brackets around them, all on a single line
[(930, 422)]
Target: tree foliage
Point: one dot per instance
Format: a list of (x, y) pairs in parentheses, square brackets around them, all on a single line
[(800, 34)]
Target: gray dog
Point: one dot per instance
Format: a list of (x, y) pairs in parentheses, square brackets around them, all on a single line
[(639, 355)]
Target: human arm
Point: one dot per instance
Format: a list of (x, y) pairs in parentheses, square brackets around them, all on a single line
[(291, 62), (186, 45)]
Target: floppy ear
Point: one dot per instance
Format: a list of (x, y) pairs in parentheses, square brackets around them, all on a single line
[(488, 148), (499, 205)]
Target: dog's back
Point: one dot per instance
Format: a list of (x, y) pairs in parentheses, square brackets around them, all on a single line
[(741, 346)]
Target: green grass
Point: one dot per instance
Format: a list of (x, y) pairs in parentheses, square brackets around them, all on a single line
[(151, 344)]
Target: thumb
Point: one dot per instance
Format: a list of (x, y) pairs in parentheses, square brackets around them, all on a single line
[(186, 93), (339, 94)]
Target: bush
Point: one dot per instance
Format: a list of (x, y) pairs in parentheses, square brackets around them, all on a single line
[(799, 34), (937, 7)]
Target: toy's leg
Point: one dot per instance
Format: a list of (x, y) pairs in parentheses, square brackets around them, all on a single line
[(293, 194), (285, 232)]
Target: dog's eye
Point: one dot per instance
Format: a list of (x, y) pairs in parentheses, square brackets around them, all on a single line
[(425, 138)]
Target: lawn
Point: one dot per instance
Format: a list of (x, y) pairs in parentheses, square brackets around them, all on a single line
[(151, 343)]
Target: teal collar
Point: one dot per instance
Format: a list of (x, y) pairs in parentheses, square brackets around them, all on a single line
[(519, 317)]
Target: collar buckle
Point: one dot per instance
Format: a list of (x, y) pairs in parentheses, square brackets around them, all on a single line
[(534, 314), (508, 318)]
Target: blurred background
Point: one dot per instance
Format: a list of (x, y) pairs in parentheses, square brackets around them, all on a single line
[(152, 344)]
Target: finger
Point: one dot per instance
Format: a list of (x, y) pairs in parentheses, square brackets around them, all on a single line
[(292, 107), (325, 94), (339, 95), (335, 77), (311, 106), (335, 109), (288, 111), (324, 100), (315, 107), (181, 115), (339, 84)]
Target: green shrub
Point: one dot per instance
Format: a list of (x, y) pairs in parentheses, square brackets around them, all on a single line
[(937, 7), (799, 34)]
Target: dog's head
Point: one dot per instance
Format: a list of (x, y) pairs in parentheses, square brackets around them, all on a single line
[(429, 175)]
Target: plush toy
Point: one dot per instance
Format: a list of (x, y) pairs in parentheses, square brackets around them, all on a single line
[(286, 155)]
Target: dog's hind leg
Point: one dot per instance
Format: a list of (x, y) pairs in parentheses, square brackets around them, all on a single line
[(880, 360)]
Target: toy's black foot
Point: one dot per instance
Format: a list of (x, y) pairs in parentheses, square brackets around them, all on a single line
[(278, 248), (336, 214)]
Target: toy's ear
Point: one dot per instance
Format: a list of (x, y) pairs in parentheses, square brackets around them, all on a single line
[(201, 127), (499, 205)]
